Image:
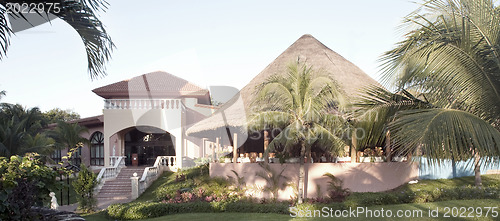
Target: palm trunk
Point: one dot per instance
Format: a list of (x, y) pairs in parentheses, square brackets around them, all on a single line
[(388, 150), (354, 148), (300, 194), (477, 169), (266, 144)]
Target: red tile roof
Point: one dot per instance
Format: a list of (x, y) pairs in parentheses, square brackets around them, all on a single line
[(157, 84)]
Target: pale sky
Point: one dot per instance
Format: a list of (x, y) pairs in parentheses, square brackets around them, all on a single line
[(208, 43)]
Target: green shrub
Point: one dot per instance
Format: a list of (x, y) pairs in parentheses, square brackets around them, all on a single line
[(336, 192), (24, 182), (84, 186), (422, 196), (169, 189), (150, 209)]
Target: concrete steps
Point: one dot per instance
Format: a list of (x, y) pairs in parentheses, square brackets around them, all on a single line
[(119, 188)]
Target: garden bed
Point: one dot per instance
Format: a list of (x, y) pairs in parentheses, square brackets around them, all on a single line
[(176, 193)]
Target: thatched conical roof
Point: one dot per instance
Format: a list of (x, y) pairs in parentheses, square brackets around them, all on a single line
[(306, 48)]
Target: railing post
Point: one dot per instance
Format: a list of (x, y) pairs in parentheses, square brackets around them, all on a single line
[(135, 186)]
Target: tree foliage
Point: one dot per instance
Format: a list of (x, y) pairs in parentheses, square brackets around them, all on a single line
[(25, 182), (451, 54), (81, 16), (304, 104), (21, 131), (57, 114), (84, 186)]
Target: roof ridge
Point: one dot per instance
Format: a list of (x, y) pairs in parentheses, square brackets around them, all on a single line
[(155, 82)]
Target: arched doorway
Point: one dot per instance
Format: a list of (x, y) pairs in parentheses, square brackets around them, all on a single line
[(148, 143)]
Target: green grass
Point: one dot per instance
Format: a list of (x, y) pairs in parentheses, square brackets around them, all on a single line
[(394, 208), (149, 195), (488, 180)]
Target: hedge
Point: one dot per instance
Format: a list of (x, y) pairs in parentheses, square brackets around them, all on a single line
[(156, 209)]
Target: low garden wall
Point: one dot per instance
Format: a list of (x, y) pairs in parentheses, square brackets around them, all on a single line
[(358, 177)]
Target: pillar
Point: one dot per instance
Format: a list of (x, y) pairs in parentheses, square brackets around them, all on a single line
[(214, 156), (217, 143), (135, 186), (235, 147)]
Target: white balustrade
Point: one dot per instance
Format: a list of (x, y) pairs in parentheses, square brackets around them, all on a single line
[(142, 104), (106, 173), (150, 174)]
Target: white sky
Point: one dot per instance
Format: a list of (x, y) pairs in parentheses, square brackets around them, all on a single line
[(205, 42)]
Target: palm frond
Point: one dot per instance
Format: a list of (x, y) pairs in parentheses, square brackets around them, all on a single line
[(325, 140), (451, 53), (98, 43), (444, 133), (80, 15), (268, 120), (377, 107), (5, 32)]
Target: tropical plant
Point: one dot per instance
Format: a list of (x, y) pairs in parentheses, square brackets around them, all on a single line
[(274, 181), (376, 108), (24, 182), (80, 15), (452, 55), (84, 185), (68, 135), (302, 103), (20, 131), (336, 191), (237, 180)]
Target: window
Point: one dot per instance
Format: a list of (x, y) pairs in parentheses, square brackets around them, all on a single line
[(56, 156), (97, 149), (76, 157)]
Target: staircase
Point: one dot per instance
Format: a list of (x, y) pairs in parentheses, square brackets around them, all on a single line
[(119, 188)]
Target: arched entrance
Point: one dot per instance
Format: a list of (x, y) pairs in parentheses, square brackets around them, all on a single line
[(147, 143)]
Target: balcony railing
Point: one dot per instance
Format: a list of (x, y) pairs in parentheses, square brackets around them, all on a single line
[(142, 104)]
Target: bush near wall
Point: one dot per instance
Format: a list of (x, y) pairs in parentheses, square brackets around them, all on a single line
[(156, 209), (151, 209)]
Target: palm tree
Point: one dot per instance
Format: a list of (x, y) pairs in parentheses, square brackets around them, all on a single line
[(17, 126), (452, 54), (67, 135), (301, 103), (377, 108), (80, 15)]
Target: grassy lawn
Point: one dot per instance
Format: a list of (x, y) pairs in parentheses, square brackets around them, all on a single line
[(424, 207), (488, 180), (371, 200), (148, 195)]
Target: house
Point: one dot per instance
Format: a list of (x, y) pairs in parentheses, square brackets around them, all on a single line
[(143, 118)]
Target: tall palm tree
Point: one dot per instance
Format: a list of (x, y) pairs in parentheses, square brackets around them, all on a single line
[(17, 126), (80, 15), (300, 103), (67, 135), (452, 54)]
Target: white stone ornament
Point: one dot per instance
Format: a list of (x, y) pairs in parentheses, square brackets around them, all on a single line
[(53, 201)]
